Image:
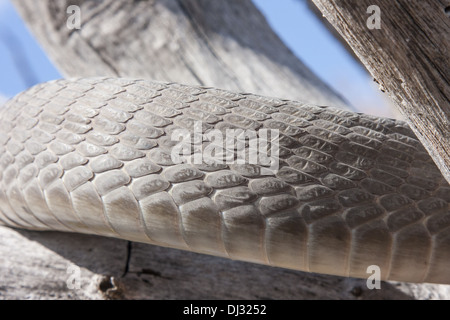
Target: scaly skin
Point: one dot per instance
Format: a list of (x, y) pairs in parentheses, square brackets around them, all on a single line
[(352, 190)]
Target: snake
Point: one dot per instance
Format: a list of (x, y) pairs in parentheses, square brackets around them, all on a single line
[(350, 191)]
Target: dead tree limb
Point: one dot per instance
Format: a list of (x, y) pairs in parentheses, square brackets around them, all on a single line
[(409, 56), (225, 44)]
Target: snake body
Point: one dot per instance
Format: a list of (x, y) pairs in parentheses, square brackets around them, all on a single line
[(94, 156)]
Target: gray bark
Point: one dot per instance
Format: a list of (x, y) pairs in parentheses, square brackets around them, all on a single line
[(225, 44), (409, 58)]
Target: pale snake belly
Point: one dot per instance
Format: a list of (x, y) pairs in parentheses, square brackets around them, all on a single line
[(351, 191)]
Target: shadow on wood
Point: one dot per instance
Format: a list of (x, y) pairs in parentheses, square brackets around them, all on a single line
[(39, 261)]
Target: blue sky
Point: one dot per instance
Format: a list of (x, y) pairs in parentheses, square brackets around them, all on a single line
[(291, 19), (12, 27)]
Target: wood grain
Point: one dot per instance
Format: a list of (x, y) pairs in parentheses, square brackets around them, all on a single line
[(409, 56), (225, 44)]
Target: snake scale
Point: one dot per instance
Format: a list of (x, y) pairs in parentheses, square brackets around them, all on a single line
[(352, 190)]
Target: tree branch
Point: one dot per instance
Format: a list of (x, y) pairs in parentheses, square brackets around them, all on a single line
[(409, 57)]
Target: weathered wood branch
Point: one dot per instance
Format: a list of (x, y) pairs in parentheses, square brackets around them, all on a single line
[(409, 56), (225, 44), (33, 265)]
